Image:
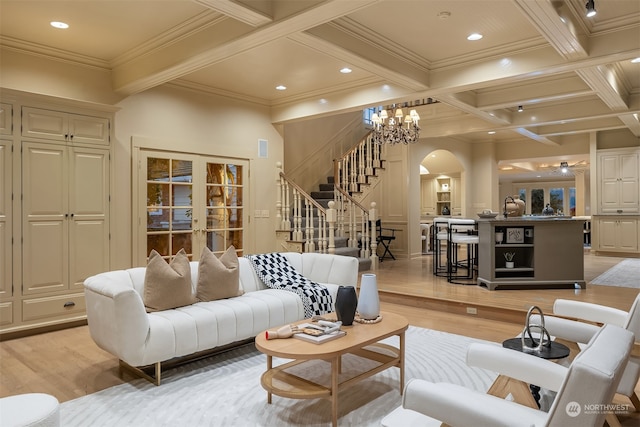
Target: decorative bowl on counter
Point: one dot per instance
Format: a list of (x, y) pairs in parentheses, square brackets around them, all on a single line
[(487, 214)]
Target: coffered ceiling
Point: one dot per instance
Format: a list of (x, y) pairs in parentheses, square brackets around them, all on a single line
[(571, 74)]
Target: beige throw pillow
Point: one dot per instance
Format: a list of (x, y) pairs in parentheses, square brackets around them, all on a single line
[(218, 278), (167, 286)]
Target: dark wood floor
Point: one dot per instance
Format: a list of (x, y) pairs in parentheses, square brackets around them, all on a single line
[(67, 364)]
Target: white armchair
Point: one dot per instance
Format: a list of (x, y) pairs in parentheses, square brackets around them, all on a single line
[(592, 378), (581, 333)]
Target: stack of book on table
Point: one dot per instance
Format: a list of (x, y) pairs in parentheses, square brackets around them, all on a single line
[(318, 334)]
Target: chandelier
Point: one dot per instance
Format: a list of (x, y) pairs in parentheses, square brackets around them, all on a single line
[(398, 129)]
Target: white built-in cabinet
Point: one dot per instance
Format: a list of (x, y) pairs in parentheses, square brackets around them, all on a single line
[(617, 233), (438, 192), (616, 226), (54, 212), (5, 223), (618, 173)]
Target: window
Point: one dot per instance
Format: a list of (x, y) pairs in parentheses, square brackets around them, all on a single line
[(560, 197), (537, 201), (556, 200)]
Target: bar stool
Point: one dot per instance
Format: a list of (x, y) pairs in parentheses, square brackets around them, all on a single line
[(440, 234), (425, 232), (462, 231)]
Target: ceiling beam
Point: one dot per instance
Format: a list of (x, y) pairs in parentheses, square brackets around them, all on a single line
[(192, 54), (605, 81), (555, 22), (536, 137), (631, 122), (236, 11), (466, 101)]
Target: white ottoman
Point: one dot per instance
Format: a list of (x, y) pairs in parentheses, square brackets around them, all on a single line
[(31, 409)]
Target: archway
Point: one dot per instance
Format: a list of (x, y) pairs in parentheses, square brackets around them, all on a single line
[(440, 184)]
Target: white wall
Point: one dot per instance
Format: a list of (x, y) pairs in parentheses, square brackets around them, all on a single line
[(179, 119)]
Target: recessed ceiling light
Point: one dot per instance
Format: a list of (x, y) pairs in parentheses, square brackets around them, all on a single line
[(492, 132), (636, 60), (474, 36), (58, 24), (346, 70), (281, 87)]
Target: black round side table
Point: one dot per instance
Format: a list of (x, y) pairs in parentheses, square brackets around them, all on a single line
[(554, 351)]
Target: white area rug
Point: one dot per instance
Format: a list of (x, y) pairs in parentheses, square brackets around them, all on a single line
[(225, 390), (625, 274)]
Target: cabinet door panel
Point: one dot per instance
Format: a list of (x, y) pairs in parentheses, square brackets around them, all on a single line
[(86, 129), (89, 250), (45, 218), (607, 234), (629, 196), (629, 166), (6, 117), (628, 232), (89, 207), (44, 256), (47, 124), (609, 167), (428, 196), (44, 180), (5, 220)]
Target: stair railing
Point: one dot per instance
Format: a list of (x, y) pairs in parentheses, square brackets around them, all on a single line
[(353, 220), (289, 206), (358, 163)]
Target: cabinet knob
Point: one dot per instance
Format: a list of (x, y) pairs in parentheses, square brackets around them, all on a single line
[(71, 137), (69, 304)]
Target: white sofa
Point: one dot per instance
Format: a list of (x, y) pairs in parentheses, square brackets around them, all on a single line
[(119, 323)]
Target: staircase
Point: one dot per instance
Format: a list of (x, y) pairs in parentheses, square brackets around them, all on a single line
[(325, 195), (331, 220)]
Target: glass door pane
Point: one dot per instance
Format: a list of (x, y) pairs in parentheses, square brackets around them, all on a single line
[(169, 206), (225, 206)]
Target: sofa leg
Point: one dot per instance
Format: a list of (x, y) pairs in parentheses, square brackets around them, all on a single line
[(153, 378)]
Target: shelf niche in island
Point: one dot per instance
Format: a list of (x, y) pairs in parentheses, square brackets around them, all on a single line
[(545, 252)]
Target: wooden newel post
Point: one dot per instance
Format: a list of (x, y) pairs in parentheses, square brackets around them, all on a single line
[(279, 196), (331, 220), (373, 217)]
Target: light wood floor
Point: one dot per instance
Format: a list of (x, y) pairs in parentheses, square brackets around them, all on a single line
[(67, 364)]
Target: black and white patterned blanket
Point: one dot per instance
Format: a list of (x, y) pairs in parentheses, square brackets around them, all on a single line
[(277, 273)]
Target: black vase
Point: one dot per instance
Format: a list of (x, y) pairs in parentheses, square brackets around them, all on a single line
[(346, 304)]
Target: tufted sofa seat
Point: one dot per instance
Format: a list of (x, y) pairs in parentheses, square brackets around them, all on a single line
[(120, 324)]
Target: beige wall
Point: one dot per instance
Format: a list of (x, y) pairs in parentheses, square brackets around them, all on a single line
[(178, 119)]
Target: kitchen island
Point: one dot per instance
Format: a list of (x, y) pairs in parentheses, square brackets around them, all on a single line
[(531, 252)]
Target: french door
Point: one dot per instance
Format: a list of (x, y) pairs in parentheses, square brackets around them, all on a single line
[(191, 201)]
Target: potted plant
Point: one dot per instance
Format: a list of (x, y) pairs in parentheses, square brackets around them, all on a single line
[(508, 256)]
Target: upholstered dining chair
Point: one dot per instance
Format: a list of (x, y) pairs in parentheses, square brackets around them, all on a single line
[(591, 379), (573, 330)]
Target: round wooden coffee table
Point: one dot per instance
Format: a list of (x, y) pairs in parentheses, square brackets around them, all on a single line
[(362, 340)]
